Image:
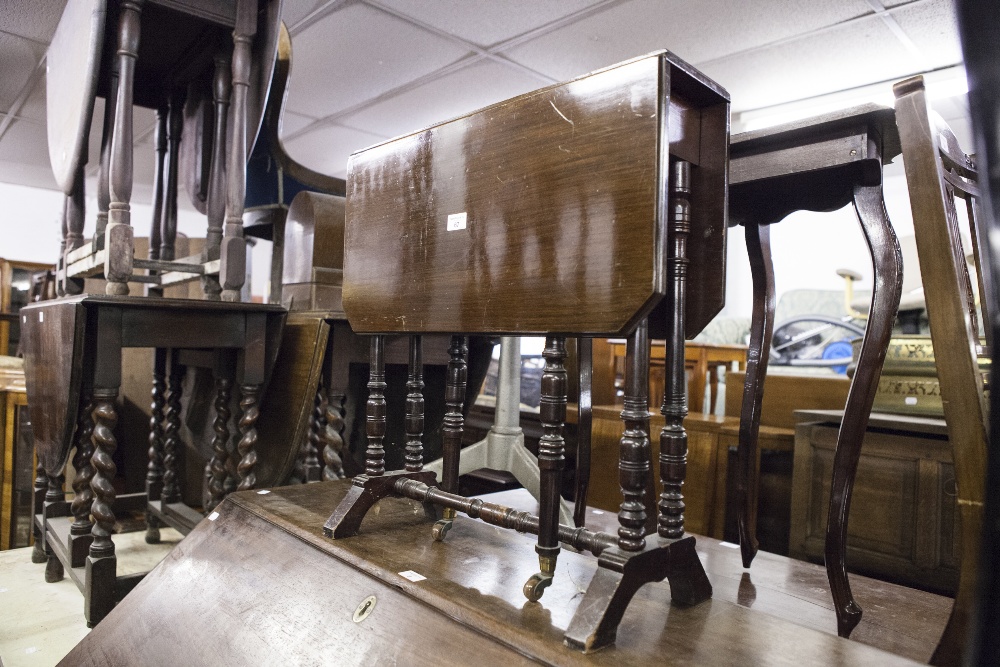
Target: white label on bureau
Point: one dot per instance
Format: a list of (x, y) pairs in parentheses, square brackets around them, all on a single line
[(213, 516), (412, 576), (910, 400), (457, 221)]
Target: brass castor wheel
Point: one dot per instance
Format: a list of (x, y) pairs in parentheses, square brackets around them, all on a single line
[(440, 529), (536, 585)]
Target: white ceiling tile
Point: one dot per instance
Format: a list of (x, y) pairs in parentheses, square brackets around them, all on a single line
[(357, 53), (695, 31), (34, 106), (292, 122), (487, 22), (20, 57), (293, 11), (327, 148), (463, 91), (933, 27), (815, 65), (24, 148), (34, 19)]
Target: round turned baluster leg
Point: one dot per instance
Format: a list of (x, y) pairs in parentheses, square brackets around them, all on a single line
[(634, 452), (551, 447), (415, 407), (217, 465), (53, 568), (452, 428), (248, 436), (333, 464), (673, 437), (41, 484)]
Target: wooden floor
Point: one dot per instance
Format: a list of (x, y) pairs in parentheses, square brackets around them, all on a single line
[(261, 585)]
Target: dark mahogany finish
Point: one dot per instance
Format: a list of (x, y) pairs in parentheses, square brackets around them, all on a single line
[(505, 222), (154, 53), (72, 352), (562, 191), (819, 164), (468, 615)]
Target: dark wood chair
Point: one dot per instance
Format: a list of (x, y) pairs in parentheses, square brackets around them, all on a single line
[(980, 31), (205, 68), (819, 164), (938, 172), (586, 208)]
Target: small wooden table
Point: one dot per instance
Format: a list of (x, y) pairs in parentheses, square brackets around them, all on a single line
[(392, 594), (73, 354)]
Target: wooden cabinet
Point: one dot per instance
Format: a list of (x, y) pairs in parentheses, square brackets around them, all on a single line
[(903, 521), (17, 463)]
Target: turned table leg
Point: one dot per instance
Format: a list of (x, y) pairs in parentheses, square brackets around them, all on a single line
[(119, 243), (634, 448), (101, 566), (761, 329), (887, 263), (55, 494), (154, 471), (38, 517), (171, 433), (453, 427), (232, 272), (220, 453), (551, 459), (221, 87), (83, 498), (249, 413), (333, 437), (584, 422)]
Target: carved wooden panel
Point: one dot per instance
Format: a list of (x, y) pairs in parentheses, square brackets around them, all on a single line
[(903, 513)]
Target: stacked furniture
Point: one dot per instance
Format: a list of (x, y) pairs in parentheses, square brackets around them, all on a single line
[(206, 66)]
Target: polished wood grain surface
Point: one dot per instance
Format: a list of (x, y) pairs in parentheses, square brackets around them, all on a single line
[(559, 194), (469, 609)]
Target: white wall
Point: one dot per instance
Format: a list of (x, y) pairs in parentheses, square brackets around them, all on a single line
[(31, 220), (809, 247)]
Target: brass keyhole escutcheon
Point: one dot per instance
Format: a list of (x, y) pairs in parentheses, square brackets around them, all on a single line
[(364, 609)]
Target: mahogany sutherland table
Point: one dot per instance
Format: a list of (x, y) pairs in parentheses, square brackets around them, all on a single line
[(261, 585)]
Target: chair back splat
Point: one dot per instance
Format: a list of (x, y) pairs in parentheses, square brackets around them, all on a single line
[(585, 208)]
